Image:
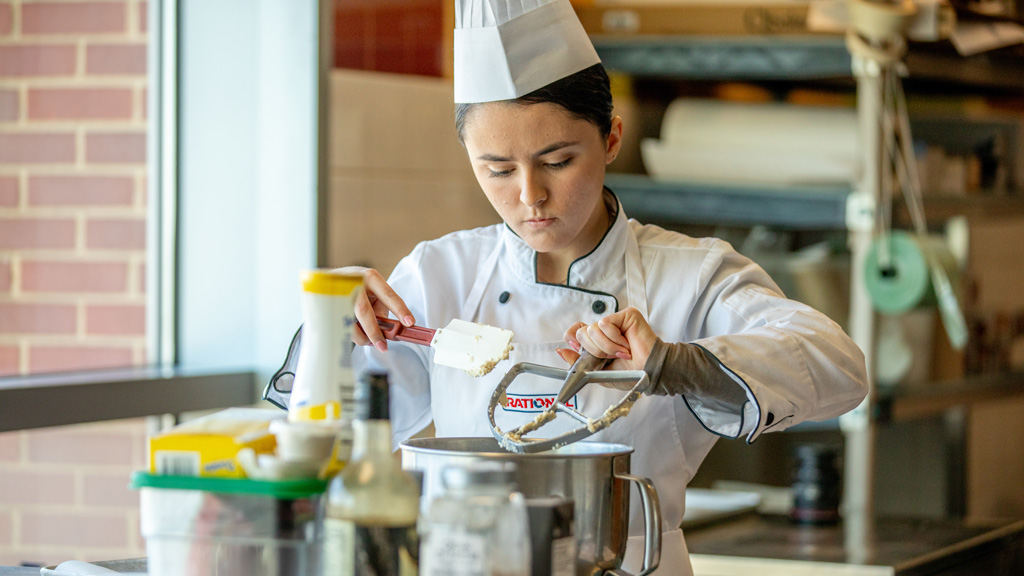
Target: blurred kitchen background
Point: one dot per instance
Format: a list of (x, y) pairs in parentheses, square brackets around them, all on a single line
[(167, 167)]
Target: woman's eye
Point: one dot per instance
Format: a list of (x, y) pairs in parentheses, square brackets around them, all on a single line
[(560, 165), (499, 173)]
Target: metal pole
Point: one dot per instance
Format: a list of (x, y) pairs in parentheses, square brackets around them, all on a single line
[(858, 477)]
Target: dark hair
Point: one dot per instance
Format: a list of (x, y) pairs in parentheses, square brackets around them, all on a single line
[(585, 95)]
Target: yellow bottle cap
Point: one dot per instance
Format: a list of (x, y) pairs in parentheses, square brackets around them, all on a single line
[(328, 282)]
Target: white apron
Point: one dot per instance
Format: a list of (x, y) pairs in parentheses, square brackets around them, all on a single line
[(461, 409)]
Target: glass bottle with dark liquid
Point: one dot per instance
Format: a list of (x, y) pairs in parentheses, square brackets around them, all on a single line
[(372, 505)]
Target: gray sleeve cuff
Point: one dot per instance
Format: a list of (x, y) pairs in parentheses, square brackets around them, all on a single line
[(685, 369)]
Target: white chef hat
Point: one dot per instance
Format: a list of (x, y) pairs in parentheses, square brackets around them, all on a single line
[(505, 49)]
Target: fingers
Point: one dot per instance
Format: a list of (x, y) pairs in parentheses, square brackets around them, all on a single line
[(383, 297), (611, 328), (596, 341), (639, 333), (570, 356), (366, 331), (570, 335), (625, 336), (605, 337), (376, 299)]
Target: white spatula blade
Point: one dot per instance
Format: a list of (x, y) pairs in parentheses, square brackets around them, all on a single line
[(472, 347)]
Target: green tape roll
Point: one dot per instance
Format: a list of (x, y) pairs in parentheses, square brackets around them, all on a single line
[(906, 283)]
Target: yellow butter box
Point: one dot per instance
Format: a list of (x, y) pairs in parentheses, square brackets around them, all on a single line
[(207, 446)]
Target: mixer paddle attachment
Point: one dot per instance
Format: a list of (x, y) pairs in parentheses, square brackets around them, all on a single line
[(586, 370)]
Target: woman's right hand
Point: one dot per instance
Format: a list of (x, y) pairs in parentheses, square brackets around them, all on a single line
[(377, 298)]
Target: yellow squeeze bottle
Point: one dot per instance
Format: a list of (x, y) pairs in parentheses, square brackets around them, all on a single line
[(323, 391)]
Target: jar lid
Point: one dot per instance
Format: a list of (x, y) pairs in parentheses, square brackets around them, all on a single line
[(478, 474), (815, 452)]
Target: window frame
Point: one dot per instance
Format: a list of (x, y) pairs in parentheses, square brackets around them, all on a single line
[(290, 148)]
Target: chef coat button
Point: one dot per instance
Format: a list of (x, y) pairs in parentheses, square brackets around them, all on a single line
[(598, 307), (504, 297)]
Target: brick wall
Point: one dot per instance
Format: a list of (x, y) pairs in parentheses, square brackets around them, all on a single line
[(72, 264)]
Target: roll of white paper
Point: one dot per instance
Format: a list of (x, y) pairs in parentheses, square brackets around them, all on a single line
[(755, 143)]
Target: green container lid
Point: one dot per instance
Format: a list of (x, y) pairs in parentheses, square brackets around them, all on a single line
[(280, 489)]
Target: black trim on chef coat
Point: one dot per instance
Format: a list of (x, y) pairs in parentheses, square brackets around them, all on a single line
[(611, 223)]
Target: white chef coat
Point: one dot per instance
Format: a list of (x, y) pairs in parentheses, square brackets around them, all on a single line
[(794, 363)]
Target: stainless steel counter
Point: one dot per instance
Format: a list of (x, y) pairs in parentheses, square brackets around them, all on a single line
[(768, 546)]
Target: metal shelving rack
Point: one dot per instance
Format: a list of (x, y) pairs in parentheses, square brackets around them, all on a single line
[(782, 57), (799, 58), (726, 57), (789, 207)]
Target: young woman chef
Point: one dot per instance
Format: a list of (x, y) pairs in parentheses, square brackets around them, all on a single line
[(728, 354)]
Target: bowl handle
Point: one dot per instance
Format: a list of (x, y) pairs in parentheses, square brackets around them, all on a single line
[(652, 523)]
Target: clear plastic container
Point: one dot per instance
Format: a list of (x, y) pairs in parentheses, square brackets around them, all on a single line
[(478, 527), (230, 527)]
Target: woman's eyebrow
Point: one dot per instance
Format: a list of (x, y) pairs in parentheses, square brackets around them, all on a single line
[(493, 158), (555, 146), (546, 150)]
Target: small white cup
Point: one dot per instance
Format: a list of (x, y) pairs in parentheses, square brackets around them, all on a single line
[(304, 441)]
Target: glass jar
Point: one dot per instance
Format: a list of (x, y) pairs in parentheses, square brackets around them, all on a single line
[(478, 526)]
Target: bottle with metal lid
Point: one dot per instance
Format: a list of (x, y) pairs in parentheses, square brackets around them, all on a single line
[(478, 526)]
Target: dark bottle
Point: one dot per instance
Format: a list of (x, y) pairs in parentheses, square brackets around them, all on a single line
[(815, 485), (372, 505)]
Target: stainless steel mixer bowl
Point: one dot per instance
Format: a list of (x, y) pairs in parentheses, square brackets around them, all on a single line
[(594, 475)]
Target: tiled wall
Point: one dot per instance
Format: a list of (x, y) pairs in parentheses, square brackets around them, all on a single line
[(72, 263), (402, 36), (395, 157)]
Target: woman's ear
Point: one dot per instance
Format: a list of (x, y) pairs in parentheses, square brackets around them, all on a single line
[(614, 142)]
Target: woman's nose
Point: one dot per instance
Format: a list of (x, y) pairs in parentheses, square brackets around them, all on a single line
[(533, 192)]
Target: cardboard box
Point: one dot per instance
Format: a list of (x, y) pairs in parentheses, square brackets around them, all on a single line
[(935, 18), (207, 446), (725, 18)]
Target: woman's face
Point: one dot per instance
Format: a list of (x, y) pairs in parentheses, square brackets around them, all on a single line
[(543, 171)]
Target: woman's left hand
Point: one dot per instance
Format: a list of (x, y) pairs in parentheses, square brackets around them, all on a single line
[(625, 336)]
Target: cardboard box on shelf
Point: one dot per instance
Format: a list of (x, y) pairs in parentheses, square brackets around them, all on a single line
[(726, 18), (935, 18)]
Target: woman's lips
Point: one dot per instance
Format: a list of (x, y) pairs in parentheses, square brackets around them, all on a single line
[(537, 223)]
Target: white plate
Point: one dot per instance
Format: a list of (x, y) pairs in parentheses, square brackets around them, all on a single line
[(136, 566), (704, 506)]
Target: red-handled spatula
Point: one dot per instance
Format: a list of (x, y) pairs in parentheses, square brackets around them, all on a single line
[(468, 346)]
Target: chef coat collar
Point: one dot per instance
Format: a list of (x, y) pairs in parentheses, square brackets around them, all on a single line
[(588, 270)]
